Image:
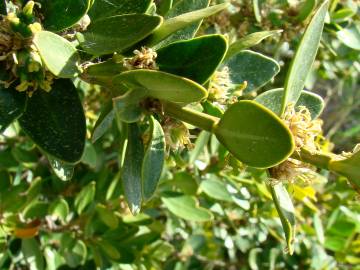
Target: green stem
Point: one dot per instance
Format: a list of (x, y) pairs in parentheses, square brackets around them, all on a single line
[(317, 159), (195, 118)]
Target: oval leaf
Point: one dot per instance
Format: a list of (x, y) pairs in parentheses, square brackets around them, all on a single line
[(63, 63), (154, 158), (162, 85), (304, 57), (62, 170), (272, 100), (107, 8), (286, 211), (131, 171), (117, 33), (62, 14), (186, 207), (196, 59), (12, 106), (254, 68), (85, 197), (104, 122), (350, 37), (55, 121), (254, 135)]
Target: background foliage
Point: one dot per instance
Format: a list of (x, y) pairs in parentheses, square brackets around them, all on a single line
[(223, 216)]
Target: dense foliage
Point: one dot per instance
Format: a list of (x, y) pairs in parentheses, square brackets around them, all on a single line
[(179, 134)]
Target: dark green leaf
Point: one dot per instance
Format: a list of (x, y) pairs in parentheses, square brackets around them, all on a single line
[(117, 33), (12, 106), (63, 63), (304, 57), (131, 171), (162, 85), (154, 158), (107, 8), (254, 68), (196, 59), (55, 121), (104, 122), (254, 135), (62, 14)]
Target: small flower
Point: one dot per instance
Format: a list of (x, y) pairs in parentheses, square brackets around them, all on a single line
[(220, 85), (143, 59), (177, 135)]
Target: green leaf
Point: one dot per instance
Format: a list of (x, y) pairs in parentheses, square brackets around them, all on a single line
[(85, 197), (162, 85), (63, 170), (181, 7), (216, 189), (62, 14), (131, 171), (249, 41), (107, 216), (304, 57), (254, 68), (63, 63), (200, 144), (349, 168), (350, 37), (59, 208), (172, 25), (35, 209), (104, 122), (186, 207), (286, 211), (108, 8), (164, 6), (55, 121), (196, 59), (12, 106), (117, 33), (32, 254), (272, 100), (127, 107), (24, 156), (305, 10), (154, 158), (75, 254), (90, 156), (254, 135)]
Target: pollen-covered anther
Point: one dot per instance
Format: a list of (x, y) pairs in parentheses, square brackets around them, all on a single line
[(220, 85), (143, 59), (303, 128)]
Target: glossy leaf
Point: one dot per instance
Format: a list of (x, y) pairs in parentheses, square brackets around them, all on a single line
[(127, 107), (63, 63), (350, 168), (59, 208), (85, 197), (104, 122), (63, 170), (107, 8), (249, 41), (254, 68), (254, 135), (286, 211), (117, 33), (186, 207), (181, 7), (62, 14), (55, 121), (12, 106), (272, 100), (131, 171), (154, 158), (162, 85), (304, 57), (196, 59), (172, 25)]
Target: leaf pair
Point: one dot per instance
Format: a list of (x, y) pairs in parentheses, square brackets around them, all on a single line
[(141, 171)]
